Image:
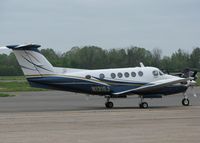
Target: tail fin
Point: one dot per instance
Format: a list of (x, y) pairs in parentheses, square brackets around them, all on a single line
[(31, 60)]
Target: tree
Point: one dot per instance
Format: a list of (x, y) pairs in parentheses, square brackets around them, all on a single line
[(156, 57), (195, 58), (92, 57), (116, 58), (89, 57), (52, 56), (137, 55), (180, 60), (166, 64)]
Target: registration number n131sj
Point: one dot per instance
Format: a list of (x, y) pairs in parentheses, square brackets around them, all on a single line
[(100, 89)]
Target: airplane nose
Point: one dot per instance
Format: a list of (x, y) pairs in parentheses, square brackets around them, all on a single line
[(191, 83)]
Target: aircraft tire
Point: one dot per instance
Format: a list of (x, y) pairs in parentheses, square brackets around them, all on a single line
[(109, 105), (185, 102), (144, 105)]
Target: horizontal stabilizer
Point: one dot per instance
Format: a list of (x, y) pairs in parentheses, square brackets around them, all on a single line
[(23, 47), (3, 48)]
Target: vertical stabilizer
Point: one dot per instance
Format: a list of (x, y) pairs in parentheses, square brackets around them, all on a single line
[(31, 60)]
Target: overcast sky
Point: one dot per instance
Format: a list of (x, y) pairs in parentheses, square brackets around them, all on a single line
[(62, 24)]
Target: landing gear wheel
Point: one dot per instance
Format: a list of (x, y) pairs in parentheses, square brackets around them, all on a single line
[(109, 105), (144, 105), (185, 102)]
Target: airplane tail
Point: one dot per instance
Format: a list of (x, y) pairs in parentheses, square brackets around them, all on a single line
[(32, 62)]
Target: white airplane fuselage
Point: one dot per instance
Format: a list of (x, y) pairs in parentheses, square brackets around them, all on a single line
[(108, 81), (144, 81)]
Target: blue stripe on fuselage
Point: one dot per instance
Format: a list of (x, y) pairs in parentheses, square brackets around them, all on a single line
[(78, 85), (64, 83), (166, 90), (92, 87)]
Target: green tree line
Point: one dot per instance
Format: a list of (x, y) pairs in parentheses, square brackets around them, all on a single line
[(92, 57)]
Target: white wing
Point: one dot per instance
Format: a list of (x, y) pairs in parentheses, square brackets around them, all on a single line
[(3, 48), (154, 85)]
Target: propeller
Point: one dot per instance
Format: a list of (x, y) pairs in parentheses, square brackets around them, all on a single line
[(191, 74), (195, 75), (191, 84), (87, 97)]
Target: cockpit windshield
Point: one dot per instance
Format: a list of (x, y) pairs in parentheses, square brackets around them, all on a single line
[(157, 73), (161, 73)]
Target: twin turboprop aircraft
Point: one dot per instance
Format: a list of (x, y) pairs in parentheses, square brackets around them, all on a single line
[(146, 82)]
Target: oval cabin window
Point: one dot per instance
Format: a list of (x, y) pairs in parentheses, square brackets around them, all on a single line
[(120, 75), (126, 74), (101, 76), (113, 75), (88, 76), (133, 74), (140, 73)]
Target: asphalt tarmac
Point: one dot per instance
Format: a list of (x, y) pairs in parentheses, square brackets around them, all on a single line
[(67, 101), (62, 117)]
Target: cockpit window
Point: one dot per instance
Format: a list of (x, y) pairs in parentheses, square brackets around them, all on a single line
[(155, 73), (161, 73)]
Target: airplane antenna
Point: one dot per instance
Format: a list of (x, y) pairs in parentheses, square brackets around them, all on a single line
[(141, 64)]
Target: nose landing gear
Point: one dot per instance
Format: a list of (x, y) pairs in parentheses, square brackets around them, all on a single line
[(185, 102)]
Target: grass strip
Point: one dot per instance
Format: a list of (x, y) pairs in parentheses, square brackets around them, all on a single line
[(6, 95), (12, 78), (17, 86)]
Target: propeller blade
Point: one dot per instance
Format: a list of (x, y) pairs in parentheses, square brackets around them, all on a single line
[(191, 84), (193, 91), (87, 97)]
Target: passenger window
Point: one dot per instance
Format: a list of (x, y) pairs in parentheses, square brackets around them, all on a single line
[(133, 74), (126, 74), (113, 75), (155, 73), (101, 76), (88, 76), (120, 75), (140, 73)]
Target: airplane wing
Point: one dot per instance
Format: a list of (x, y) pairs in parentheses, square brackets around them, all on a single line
[(153, 85), (3, 48)]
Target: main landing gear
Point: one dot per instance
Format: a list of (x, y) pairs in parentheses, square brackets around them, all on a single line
[(108, 103), (142, 104)]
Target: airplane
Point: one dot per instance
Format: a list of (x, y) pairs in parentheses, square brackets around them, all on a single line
[(143, 81)]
